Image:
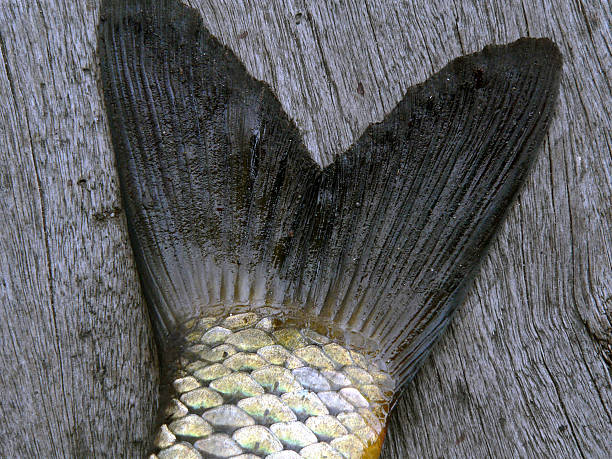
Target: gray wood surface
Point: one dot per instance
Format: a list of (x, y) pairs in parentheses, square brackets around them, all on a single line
[(523, 371)]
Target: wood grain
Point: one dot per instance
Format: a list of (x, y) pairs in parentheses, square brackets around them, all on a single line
[(525, 368), (74, 330)]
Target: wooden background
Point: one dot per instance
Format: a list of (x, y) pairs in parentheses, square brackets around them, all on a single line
[(524, 370)]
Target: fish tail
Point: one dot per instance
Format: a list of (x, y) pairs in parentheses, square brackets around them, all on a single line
[(291, 301)]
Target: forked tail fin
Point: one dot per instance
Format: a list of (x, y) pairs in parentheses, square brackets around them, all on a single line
[(226, 207)]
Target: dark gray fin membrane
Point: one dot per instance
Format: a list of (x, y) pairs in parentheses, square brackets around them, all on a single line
[(433, 181), (225, 206), (213, 173)]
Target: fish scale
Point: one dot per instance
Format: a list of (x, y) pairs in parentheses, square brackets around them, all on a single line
[(249, 385)]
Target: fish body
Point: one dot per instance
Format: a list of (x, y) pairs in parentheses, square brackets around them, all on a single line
[(251, 383), (293, 302)]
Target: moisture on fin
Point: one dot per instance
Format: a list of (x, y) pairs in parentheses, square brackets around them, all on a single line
[(225, 206)]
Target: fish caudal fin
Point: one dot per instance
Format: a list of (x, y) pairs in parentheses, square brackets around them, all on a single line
[(226, 208)]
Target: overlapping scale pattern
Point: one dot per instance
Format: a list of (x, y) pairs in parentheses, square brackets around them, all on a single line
[(249, 387)]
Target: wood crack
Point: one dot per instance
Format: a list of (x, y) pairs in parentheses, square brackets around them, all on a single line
[(328, 73)]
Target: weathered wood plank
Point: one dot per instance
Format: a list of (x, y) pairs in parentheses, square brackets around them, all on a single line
[(524, 370), (72, 319)]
